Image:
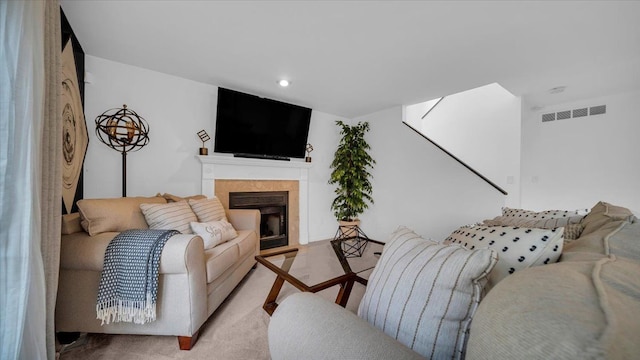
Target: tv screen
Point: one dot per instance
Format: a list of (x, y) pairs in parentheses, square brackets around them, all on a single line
[(248, 125)]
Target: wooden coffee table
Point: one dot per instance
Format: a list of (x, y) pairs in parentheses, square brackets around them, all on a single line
[(319, 266)]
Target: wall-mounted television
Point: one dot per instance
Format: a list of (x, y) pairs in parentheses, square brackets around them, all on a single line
[(252, 126)]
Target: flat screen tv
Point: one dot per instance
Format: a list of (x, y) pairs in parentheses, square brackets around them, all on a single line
[(251, 126)]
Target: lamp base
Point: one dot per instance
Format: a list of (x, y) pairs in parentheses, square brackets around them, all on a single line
[(204, 151)]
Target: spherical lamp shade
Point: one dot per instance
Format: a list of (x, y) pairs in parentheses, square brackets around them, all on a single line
[(124, 131)]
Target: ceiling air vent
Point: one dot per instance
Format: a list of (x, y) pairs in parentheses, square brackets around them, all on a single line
[(598, 110), (548, 117), (575, 113), (580, 112)]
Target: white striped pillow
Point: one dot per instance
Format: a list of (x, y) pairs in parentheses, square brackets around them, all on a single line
[(208, 210), (170, 216), (424, 294)]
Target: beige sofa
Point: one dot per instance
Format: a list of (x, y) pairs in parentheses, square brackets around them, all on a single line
[(192, 282), (586, 306)]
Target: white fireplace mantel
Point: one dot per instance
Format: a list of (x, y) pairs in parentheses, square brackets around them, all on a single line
[(216, 167)]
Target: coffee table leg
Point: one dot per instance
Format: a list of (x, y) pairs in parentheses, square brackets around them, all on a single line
[(344, 292), (270, 304)]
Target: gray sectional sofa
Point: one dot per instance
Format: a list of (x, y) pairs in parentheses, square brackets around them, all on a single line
[(585, 306)]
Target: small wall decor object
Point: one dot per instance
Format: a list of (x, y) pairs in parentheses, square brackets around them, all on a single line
[(204, 137), (125, 131), (308, 149)]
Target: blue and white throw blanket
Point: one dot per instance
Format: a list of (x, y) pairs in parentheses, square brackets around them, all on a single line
[(129, 283)]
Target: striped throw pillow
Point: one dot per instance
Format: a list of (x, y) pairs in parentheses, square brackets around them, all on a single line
[(170, 216), (208, 210), (424, 294)]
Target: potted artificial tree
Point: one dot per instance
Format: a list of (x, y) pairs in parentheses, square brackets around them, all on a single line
[(350, 173)]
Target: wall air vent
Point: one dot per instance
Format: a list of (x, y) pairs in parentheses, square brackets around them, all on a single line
[(580, 112), (548, 117), (575, 113), (598, 110)]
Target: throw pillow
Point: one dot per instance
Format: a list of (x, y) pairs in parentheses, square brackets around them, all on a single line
[(572, 232), (116, 214), (518, 248), (214, 233), (530, 214), (208, 210), (550, 223), (424, 294), (170, 216)]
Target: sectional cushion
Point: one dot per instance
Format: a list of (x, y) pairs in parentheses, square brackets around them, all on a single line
[(517, 248), (208, 210), (214, 232), (116, 214), (603, 213), (170, 216), (424, 294), (71, 223)]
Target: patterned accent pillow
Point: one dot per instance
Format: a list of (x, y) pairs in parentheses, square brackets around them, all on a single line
[(529, 214), (572, 232), (518, 248), (208, 210), (424, 294), (551, 223), (214, 233), (170, 216)]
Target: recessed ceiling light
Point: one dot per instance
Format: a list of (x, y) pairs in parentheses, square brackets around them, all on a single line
[(284, 83), (557, 89)]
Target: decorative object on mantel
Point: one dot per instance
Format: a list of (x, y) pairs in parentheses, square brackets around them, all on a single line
[(351, 164), (204, 137), (125, 131), (308, 149)]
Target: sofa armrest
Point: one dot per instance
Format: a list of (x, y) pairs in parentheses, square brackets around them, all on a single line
[(306, 326), (245, 219)]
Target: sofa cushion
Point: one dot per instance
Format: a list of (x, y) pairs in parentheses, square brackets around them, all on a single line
[(568, 310), (208, 209), (424, 294), (603, 213), (214, 232), (117, 214), (247, 242), (220, 258), (176, 198), (517, 248), (71, 223), (170, 216)]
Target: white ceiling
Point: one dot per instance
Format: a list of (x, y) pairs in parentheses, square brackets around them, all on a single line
[(352, 58)]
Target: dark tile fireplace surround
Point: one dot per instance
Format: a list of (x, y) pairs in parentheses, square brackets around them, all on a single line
[(273, 206)]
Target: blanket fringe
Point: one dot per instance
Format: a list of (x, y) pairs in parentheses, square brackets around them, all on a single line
[(118, 310)]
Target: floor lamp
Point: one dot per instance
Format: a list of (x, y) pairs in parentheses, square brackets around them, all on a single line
[(124, 131)]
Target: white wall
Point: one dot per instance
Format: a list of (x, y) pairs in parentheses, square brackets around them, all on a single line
[(481, 127), (417, 185), (574, 163), (176, 109)]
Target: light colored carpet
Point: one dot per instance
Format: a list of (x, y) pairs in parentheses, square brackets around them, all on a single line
[(236, 330)]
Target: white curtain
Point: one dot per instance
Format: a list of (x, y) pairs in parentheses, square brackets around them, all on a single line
[(25, 295)]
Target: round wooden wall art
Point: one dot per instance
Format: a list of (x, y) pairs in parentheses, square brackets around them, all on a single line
[(75, 137)]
